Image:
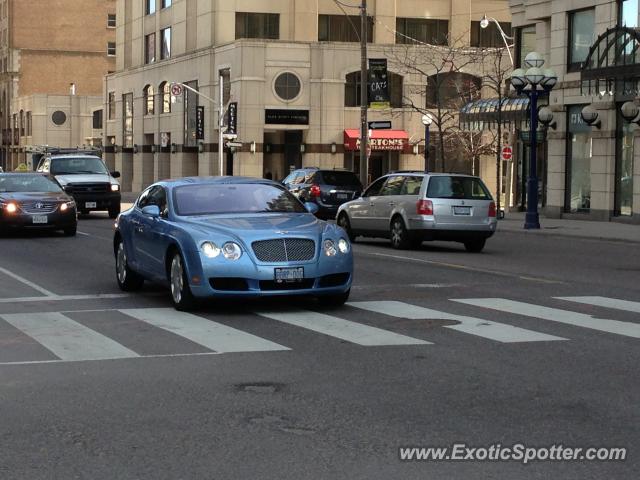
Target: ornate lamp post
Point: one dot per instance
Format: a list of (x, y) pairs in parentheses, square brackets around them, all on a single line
[(427, 120), (533, 82)]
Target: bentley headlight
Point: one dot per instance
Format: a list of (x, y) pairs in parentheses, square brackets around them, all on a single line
[(210, 249), (329, 248), (231, 251), (343, 245)]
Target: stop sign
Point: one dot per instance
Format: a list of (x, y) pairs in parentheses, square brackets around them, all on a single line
[(507, 152)]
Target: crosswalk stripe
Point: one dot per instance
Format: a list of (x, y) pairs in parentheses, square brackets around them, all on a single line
[(556, 315), (214, 336), (67, 339), (473, 326), (606, 302), (353, 332)]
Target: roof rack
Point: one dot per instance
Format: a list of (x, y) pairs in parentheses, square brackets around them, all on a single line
[(409, 171)]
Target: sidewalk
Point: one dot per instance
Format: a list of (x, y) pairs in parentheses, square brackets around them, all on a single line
[(514, 223)]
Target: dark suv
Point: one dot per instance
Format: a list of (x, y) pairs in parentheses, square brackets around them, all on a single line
[(326, 188)]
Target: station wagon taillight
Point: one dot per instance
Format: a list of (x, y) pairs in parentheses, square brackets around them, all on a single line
[(424, 207), (315, 190), (492, 210)]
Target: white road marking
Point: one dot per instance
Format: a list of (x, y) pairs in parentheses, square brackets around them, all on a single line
[(166, 355), (95, 236), (556, 315), (68, 340), (27, 282), (464, 267), (82, 233), (214, 336), (473, 326), (60, 298), (343, 329), (606, 302)]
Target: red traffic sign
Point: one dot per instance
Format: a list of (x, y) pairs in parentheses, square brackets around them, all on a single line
[(507, 152), (176, 89)]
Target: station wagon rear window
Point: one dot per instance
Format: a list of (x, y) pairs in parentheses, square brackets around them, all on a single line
[(466, 188), (211, 199), (340, 179)]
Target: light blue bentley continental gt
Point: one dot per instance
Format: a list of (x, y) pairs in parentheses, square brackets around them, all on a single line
[(230, 237)]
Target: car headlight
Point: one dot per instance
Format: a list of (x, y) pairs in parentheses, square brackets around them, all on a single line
[(343, 245), (210, 249), (9, 207), (329, 248), (115, 188), (66, 206), (231, 251)]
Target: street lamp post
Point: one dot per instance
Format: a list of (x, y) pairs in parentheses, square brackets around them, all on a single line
[(364, 104), (427, 120), (484, 23), (532, 83)]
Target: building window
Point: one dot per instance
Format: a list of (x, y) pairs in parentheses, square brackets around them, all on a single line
[(581, 37), (149, 100), (190, 114), (111, 109), (352, 90), (165, 91), (166, 3), (165, 36), (580, 151), (150, 7), (489, 37), (287, 86), (111, 20), (127, 120), (624, 166), (257, 25), (58, 118), (97, 119), (628, 13), (422, 30), (22, 123), (525, 43), (111, 49), (340, 28), (150, 48), (29, 125), (452, 90)]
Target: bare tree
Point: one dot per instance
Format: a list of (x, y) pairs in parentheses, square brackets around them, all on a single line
[(444, 84)]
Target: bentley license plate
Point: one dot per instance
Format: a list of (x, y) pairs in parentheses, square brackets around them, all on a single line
[(462, 210), (289, 274), (39, 219)]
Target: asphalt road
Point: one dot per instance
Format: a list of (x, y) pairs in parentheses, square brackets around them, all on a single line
[(477, 349)]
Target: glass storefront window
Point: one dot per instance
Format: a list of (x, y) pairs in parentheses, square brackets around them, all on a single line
[(628, 16), (580, 151), (624, 166)]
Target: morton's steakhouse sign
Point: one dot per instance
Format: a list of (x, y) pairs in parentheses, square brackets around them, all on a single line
[(381, 140)]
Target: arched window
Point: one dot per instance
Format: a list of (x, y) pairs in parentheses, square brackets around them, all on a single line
[(352, 89), (452, 89), (149, 100), (165, 91)]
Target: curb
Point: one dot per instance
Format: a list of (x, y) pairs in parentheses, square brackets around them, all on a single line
[(546, 233)]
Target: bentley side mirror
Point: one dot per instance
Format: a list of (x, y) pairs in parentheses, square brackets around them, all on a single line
[(152, 211)]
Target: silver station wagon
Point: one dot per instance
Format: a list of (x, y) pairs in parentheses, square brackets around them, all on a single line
[(412, 207)]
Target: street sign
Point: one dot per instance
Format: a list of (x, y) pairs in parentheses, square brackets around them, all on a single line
[(234, 144), (380, 125), (176, 89), (507, 152), (200, 123)]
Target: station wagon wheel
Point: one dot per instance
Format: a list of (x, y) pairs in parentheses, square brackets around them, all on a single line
[(128, 280), (343, 221), (399, 235), (180, 292)]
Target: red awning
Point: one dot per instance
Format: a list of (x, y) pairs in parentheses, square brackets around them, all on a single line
[(380, 140)]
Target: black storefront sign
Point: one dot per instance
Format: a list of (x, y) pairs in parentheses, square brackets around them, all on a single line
[(232, 119), (200, 123), (378, 83), (286, 117)]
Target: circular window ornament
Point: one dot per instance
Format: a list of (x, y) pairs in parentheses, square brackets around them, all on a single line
[(287, 86), (59, 117)]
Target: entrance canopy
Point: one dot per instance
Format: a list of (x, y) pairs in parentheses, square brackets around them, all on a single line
[(381, 140), (612, 66), (483, 114)]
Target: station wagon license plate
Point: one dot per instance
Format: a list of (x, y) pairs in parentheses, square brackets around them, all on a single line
[(288, 274), (462, 210), (342, 196), (39, 219), (90, 205)]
